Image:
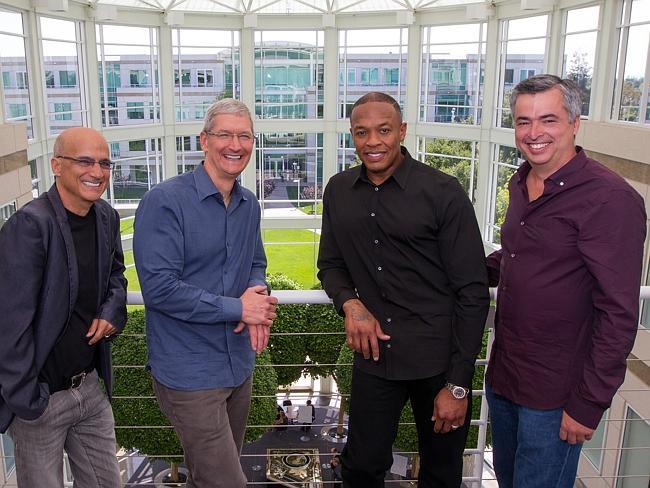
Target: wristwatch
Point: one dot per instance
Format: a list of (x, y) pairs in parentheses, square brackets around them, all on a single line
[(458, 392)]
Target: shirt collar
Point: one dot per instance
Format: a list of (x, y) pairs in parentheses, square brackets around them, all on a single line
[(400, 175), (206, 188)]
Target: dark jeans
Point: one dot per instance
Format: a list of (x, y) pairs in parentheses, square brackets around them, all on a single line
[(528, 451), (375, 408)]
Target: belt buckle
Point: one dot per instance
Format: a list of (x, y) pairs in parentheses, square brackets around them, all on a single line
[(77, 380)]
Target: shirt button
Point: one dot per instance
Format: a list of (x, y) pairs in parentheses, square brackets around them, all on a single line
[(376, 241), (376, 188), (389, 320), (372, 214), (388, 346), (513, 255), (378, 268), (561, 183), (504, 288), (521, 223)]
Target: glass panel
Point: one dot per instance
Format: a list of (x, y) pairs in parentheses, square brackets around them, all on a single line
[(374, 59), (8, 451), (635, 455), (62, 30), (131, 72), (290, 173), (579, 58), (634, 74), (11, 22), (582, 19), (506, 162), (454, 157), (15, 78), (520, 59), (206, 61), (289, 74), (593, 449), (137, 169), (346, 153), (451, 86), (640, 11), (63, 87)]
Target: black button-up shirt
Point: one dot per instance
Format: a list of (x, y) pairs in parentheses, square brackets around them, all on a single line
[(411, 251), (569, 272)]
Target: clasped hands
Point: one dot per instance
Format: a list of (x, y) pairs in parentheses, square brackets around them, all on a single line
[(258, 313)]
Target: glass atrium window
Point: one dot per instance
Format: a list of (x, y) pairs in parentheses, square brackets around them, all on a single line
[(455, 157), (188, 153), (208, 63), (593, 449), (451, 78), (289, 74), (635, 455), (63, 62), (137, 169), (290, 173), (13, 61), (346, 153), (523, 48), (505, 161), (7, 211), (371, 60), (580, 42), (128, 74), (633, 70)]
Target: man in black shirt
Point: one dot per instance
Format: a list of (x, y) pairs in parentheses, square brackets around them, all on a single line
[(402, 258), (62, 279)]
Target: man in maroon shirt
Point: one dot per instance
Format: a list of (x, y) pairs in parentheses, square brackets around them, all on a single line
[(568, 271)]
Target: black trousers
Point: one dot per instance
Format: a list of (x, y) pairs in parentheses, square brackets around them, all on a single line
[(375, 407)]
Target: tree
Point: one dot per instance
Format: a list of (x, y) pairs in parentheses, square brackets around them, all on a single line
[(580, 71), (444, 155)]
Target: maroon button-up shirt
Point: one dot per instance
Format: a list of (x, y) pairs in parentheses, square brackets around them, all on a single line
[(568, 272)]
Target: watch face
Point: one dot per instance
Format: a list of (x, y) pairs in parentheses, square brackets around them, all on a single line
[(458, 392)]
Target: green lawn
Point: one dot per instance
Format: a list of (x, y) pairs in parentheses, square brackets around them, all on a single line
[(126, 226), (292, 252)]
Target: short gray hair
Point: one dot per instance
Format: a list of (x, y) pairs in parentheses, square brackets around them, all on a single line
[(225, 106), (541, 83)]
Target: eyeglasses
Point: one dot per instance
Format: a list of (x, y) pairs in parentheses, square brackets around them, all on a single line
[(89, 163), (223, 136)]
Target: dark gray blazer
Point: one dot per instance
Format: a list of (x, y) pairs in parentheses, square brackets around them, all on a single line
[(38, 290)]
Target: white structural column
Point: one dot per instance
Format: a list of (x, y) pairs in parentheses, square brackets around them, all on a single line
[(247, 83), (490, 80), (91, 75), (167, 102), (37, 98), (412, 85), (330, 104), (604, 73)]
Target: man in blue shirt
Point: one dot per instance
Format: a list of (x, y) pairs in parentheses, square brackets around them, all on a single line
[(201, 265)]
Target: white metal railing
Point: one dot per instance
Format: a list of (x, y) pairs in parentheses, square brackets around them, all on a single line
[(477, 478)]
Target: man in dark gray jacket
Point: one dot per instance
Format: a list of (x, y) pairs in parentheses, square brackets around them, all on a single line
[(64, 295)]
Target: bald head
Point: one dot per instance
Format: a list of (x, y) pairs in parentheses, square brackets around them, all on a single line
[(80, 165), (70, 139)]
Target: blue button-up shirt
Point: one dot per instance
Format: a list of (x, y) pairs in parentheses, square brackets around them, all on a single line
[(195, 257)]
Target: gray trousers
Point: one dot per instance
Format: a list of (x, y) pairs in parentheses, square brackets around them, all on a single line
[(210, 425), (78, 420)]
